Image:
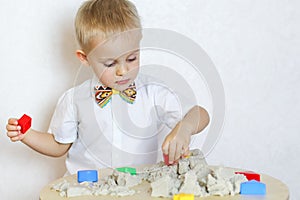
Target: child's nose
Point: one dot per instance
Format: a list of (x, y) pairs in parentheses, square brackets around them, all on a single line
[(121, 70)]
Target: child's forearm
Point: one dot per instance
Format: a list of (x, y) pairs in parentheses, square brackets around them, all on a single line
[(196, 119), (176, 144), (45, 143)]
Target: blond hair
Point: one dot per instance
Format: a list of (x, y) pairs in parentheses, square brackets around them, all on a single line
[(104, 18)]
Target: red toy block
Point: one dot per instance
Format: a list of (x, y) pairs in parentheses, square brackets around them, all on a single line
[(25, 123), (250, 175), (166, 159)]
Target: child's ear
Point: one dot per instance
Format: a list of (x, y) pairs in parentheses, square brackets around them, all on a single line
[(82, 57)]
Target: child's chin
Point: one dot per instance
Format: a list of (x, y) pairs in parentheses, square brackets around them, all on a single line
[(121, 87)]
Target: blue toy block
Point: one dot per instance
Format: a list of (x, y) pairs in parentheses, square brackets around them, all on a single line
[(87, 175), (253, 187)]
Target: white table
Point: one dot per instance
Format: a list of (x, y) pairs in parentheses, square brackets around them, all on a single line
[(276, 190)]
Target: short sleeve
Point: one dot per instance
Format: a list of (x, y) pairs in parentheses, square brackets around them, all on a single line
[(64, 123), (170, 107)]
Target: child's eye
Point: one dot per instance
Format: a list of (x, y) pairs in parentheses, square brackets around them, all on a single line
[(131, 58), (109, 64)]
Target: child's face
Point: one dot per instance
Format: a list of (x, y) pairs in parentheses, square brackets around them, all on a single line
[(116, 61)]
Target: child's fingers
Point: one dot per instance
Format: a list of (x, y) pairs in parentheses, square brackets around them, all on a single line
[(13, 130), (10, 127), (186, 152), (179, 151), (165, 146), (15, 136), (12, 134), (13, 121), (172, 151), (15, 139)]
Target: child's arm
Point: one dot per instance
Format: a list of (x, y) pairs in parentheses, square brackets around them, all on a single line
[(176, 144), (43, 143)]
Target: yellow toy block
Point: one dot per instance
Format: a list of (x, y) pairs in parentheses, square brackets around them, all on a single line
[(183, 197), (187, 156)]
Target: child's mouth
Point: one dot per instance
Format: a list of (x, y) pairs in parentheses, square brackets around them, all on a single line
[(122, 82)]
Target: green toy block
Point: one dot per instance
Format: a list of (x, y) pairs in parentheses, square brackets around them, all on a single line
[(130, 170)]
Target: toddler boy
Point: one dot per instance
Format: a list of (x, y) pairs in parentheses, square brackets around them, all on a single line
[(119, 117)]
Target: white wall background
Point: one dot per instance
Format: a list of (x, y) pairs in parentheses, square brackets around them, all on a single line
[(254, 44)]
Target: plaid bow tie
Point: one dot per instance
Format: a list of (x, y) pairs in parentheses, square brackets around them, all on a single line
[(103, 94)]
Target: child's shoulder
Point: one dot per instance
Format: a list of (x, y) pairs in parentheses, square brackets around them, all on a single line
[(82, 89)]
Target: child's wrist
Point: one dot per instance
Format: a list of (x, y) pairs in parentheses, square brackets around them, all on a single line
[(25, 135), (187, 127)]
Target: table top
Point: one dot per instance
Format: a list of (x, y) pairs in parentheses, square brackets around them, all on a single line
[(275, 190)]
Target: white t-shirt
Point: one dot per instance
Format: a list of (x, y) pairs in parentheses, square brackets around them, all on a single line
[(119, 134)]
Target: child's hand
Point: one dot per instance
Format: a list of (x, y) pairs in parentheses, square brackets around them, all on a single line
[(176, 144), (13, 130)]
